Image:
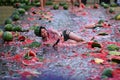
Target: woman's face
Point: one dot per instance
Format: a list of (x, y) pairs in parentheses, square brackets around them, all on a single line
[(44, 33)]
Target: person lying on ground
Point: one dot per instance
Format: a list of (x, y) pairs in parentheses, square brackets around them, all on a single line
[(54, 37)]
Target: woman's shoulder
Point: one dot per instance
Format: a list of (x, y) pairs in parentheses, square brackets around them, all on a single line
[(49, 30), (52, 30)]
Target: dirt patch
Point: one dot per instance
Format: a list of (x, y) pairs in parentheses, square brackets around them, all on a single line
[(5, 12)]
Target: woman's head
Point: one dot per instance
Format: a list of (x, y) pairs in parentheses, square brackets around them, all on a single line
[(41, 32)]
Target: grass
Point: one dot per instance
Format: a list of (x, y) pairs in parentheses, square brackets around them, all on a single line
[(5, 12)]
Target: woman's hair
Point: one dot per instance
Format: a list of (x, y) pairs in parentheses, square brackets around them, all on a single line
[(40, 30), (37, 31)]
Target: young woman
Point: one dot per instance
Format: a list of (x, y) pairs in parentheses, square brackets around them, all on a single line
[(42, 4), (54, 37)]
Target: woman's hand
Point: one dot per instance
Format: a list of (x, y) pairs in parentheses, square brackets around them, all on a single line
[(61, 39)]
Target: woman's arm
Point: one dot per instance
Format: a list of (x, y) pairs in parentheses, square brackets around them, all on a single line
[(56, 32)]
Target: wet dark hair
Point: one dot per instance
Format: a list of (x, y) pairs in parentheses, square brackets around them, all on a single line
[(43, 38), (41, 27)]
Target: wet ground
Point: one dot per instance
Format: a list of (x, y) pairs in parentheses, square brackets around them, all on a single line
[(68, 62)]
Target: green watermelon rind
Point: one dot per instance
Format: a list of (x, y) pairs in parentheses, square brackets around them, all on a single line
[(16, 17), (55, 6), (8, 21), (17, 28), (36, 31), (21, 10), (7, 36), (65, 7), (106, 6), (111, 10), (116, 17), (8, 27), (107, 72), (112, 47)]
